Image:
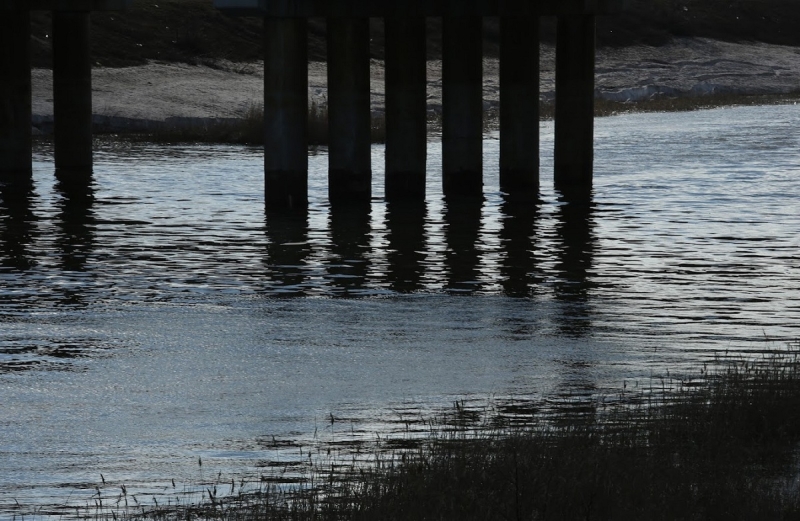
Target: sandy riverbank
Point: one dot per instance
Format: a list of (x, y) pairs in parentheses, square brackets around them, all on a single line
[(134, 98)]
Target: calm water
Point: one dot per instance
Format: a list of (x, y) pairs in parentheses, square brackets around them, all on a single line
[(164, 318)]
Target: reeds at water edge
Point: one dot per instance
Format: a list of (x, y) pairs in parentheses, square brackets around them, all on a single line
[(249, 130), (718, 444)]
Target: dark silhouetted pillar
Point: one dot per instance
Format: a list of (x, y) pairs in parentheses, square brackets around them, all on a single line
[(72, 91), (15, 94), (350, 167), (574, 125), (519, 106), (285, 112), (462, 106), (406, 118)]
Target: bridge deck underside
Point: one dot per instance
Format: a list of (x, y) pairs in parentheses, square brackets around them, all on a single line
[(64, 5), (386, 8)]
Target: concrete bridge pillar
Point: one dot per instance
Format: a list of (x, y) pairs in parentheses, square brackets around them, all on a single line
[(462, 105), (519, 106), (72, 91), (15, 94), (349, 149), (285, 112), (406, 117), (574, 122)]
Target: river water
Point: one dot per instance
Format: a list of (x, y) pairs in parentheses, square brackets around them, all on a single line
[(163, 319)]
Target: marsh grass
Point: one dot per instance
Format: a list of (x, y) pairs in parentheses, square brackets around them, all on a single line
[(685, 104), (249, 129), (719, 444), (605, 108)]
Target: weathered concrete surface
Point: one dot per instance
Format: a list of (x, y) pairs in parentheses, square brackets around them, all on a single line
[(574, 126), (406, 121), (519, 107), (285, 107), (72, 90), (349, 149), (361, 8), (462, 106), (65, 5)]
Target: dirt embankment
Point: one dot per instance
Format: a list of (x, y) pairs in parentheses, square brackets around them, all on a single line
[(133, 98), (182, 61), (192, 31)]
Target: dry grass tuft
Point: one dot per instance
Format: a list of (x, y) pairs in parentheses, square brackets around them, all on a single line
[(249, 130)]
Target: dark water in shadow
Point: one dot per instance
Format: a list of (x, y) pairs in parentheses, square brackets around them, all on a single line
[(19, 225), (405, 241), (153, 313)]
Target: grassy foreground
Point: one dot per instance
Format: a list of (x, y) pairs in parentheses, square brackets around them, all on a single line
[(720, 445)]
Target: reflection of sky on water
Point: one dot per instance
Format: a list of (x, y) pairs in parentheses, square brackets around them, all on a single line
[(185, 222), (162, 315), (181, 223)]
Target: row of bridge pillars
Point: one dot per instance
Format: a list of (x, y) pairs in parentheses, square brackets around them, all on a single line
[(286, 104), (286, 101), (72, 93)]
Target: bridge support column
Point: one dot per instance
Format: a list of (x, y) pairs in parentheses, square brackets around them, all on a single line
[(15, 95), (406, 118), (285, 112), (72, 91), (574, 125), (462, 106), (519, 106), (349, 149)]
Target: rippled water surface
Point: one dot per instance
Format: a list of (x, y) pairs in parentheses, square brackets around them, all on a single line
[(163, 317)]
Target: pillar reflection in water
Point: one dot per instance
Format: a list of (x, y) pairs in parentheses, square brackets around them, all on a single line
[(518, 239), (287, 250), (405, 227), (574, 258), (462, 218), (17, 224), (76, 219), (350, 235)]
